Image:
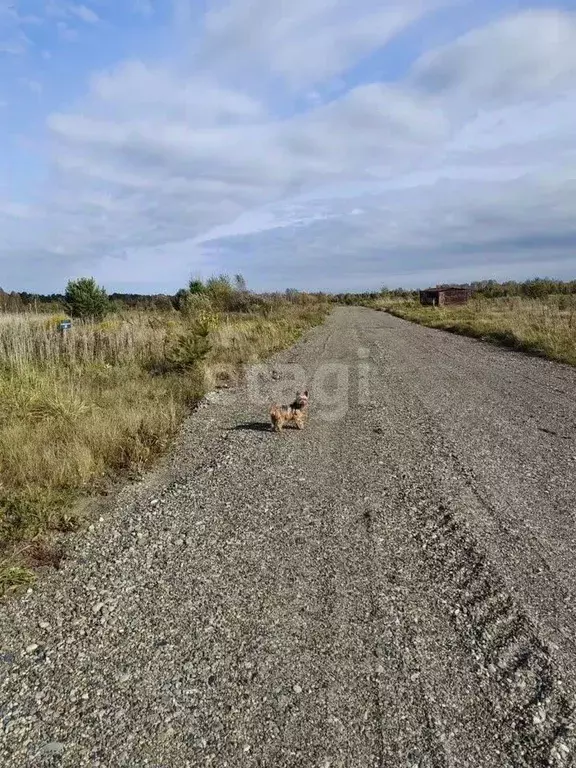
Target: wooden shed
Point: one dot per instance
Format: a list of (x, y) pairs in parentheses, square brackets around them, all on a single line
[(444, 295)]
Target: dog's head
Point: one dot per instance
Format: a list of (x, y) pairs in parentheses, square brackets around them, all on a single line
[(301, 400)]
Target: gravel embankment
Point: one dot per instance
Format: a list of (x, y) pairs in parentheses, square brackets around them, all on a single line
[(393, 586)]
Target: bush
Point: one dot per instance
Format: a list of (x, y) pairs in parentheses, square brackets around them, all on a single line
[(180, 298), (196, 286), (192, 347), (85, 299), (194, 304), (221, 291)]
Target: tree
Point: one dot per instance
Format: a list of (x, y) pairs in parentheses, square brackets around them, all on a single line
[(180, 298), (196, 286), (221, 291), (85, 299), (240, 283)]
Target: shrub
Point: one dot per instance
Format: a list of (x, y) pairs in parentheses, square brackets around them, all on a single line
[(85, 299), (221, 291), (196, 286), (180, 298), (194, 304), (193, 346), (163, 304)]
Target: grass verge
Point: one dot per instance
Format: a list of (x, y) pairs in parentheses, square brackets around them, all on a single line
[(80, 410), (545, 327)]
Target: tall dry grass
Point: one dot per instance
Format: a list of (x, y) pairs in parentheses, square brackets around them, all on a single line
[(33, 340), (545, 327), (102, 399)]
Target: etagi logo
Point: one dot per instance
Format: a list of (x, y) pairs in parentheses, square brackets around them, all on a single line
[(334, 386)]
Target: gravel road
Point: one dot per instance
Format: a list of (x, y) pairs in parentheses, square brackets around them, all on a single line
[(392, 586)]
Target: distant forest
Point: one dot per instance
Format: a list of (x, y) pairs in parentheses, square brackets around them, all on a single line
[(24, 301), (536, 288)]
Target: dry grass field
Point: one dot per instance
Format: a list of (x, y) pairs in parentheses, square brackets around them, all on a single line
[(544, 326), (80, 409)]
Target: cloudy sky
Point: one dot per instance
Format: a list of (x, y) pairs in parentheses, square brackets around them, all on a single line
[(313, 144)]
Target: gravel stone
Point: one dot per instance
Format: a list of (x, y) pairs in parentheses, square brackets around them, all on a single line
[(53, 748)]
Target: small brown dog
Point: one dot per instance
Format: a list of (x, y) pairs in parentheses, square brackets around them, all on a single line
[(285, 414)]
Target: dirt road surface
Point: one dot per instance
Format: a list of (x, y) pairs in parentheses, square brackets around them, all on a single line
[(393, 586)]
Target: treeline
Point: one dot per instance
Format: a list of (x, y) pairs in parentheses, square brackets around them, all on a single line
[(23, 301), (536, 288), (229, 294), (56, 302), (233, 295)]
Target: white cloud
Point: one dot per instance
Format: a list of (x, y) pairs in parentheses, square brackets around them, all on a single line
[(13, 39), (134, 88), (185, 169), (511, 59), (14, 210), (306, 41), (84, 13), (407, 235), (198, 161)]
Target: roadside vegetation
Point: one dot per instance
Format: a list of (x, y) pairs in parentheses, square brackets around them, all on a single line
[(545, 327), (537, 316), (84, 406)]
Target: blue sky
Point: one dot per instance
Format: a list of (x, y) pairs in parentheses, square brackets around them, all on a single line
[(315, 144)]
